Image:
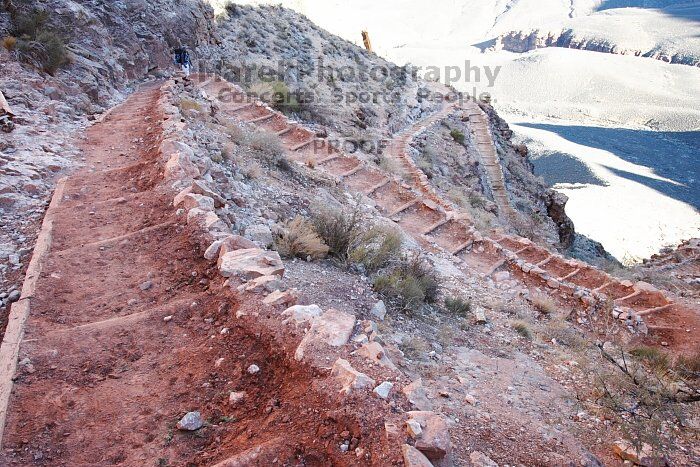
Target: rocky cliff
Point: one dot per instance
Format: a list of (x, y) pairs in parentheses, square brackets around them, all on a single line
[(524, 41)]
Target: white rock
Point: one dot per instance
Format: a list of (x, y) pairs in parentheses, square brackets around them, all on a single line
[(379, 310), (333, 328), (251, 263), (414, 429), (236, 397), (383, 389), (301, 314), (349, 378), (253, 369), (190, 422)]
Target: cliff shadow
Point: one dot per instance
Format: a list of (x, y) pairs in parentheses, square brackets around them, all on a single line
[(672, 155)]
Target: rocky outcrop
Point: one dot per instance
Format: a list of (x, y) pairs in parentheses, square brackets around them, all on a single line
[(556, 204), (525, 41)]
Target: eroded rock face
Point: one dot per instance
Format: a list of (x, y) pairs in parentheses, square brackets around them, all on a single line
[(556, 204)]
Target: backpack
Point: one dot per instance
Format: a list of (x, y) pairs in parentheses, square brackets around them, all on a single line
[(180, 56)]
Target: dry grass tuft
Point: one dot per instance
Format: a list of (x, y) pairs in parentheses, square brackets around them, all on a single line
[(9, 42), (522, 328), (376, 248), (458, 306), (299, 239), (544, 304), (189, 104), (265, 141), (339, 229), (410, 284)]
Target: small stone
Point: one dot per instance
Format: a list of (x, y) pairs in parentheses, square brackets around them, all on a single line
[(218, 362), (14, 296), (236, 397), (168, 318), (379, 310), (383, 389), (146, 285), (414, 429), (253, 369), (471, 400), (192, 421)]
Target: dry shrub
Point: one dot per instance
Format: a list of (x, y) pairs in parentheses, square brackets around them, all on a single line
[(688, 366), (9, 42), (521, 328), (339, 229), (236, 133), (458, 306), (376, 248), (565, 334), (36, 43), (388, 164), (299, 239), (410, 284), (457, 135), (190, 104), (458, 197), (653, 357), (414, 348), (544, 304), (266, 142), (251, 170)]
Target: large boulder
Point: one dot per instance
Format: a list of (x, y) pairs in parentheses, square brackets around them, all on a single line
[(374, 352), (412, 457), (349, 378), (250, 263), (332, 329), (434, 440)]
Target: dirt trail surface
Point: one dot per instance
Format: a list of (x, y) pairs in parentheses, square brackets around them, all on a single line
[(130, 329), (421, 212)]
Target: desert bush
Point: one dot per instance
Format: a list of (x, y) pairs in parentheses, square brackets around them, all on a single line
[(265, 141), (189, 104), (544, 304), (277, 94), (476, 201), (299, 239), (251, 170), (653, 357), (9, 42), (688, 366), (457, 135), (236, 133), (414, 348), (376, 248), (36, 43), (564, 333), (522, 329), (339, 229), (458, 306), (410, 284), (388, 164)]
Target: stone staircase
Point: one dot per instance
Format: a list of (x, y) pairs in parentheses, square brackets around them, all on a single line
[(479, 123), (421, 212)]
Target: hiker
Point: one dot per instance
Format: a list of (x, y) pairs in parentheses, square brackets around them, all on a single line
[(182, 58)]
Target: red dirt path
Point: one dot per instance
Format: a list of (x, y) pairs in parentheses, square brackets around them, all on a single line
[(109, 377)]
